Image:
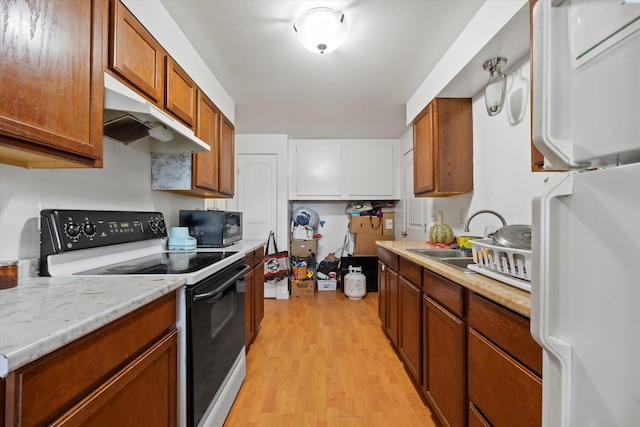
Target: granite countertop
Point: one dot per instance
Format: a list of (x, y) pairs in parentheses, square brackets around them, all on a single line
[(43, 314), (508, 296)]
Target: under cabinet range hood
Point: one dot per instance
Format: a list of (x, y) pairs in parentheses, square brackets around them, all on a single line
[(129, 118)]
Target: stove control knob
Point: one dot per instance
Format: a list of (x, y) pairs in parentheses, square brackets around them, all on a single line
[(89, 229), (161, 225), (73, 230)]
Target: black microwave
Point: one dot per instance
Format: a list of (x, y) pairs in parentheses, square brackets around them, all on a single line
[(213, 229)]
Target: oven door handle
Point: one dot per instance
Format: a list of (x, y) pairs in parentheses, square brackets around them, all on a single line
[(222, 288)]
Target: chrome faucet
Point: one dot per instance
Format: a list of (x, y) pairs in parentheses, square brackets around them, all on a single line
[(466, 224)]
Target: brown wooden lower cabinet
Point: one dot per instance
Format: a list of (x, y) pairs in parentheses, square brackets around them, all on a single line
[(254, 294), (506, 392), (144, 393), (444, 363), (125, 374), (393, 321), (504, 365), (382, 293), (480, 367), (410, 328), (475, 418)]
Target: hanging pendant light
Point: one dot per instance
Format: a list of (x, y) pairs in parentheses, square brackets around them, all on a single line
[(321, 29), (496, 88)]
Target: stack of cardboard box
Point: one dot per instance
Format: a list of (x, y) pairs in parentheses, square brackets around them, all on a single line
[(368, 229), (304, 251)]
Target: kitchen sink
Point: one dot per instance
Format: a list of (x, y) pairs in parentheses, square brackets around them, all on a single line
[(458, 262), (453, 257), (439, 253)]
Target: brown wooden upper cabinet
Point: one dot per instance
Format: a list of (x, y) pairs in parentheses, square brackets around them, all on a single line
[(443, 148), (181, 93), (135, 55), (51, 99), (226, 157), (206, 168)]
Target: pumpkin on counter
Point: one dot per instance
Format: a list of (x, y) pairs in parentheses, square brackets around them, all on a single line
[(441, 233)]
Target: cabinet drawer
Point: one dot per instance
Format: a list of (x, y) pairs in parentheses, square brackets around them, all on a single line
[(506, 393), (249, 258), (389, 258), (47, 387), (447, 293), (507, 330), (150, 381), (258, 256), (411, 271), (475, 418)]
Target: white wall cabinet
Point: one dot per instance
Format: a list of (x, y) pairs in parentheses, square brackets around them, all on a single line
[(343, 170)]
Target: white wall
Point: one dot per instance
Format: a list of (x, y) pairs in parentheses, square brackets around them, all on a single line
[(502, 177), (124, 183)]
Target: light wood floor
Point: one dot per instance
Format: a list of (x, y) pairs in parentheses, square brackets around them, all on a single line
[(324, 361)]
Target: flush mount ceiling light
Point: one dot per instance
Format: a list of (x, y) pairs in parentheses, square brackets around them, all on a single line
[(496, 88), (321, 29)]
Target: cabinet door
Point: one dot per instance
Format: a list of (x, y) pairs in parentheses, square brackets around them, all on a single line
[(410, 334), (423, 140), (258, 295), (316, 171), (205, 164), (181, 91), (382, 294), (248, 308), (367, 172), (505, 391), (52, 85), (227, 160), (445, 364), (150, 381), (393, 320), (443, 148), (136, 55)]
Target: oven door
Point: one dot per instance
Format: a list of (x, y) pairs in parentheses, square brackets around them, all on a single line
[(215, 336)]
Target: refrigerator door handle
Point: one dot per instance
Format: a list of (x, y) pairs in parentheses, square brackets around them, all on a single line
[(556, 397)]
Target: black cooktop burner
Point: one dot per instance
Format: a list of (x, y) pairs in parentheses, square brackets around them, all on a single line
[(163, 263)]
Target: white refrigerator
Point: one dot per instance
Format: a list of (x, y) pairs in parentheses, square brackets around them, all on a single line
[(586, 222)]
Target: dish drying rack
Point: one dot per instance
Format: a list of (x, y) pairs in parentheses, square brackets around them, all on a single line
[(512, 266)]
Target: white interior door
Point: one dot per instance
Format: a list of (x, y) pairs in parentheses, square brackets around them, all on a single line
[(258, 194)]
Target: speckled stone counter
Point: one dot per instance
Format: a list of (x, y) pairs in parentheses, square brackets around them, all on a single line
[(43, 314), (501, 293)]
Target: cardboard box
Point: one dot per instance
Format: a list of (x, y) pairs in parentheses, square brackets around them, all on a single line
[(303, 288), (388, 219), (303, 248), (373, 225), (327, 285), (366, 244)]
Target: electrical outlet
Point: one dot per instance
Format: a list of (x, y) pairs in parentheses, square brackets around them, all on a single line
[(461, 218)]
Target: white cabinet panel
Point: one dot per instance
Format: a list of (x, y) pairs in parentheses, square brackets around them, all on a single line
[(317, 171), (367, 171), (343, 170)]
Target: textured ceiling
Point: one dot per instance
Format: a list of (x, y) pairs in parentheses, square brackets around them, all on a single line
[(357, 91)]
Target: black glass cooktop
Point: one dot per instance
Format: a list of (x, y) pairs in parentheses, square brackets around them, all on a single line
[(163, 263)]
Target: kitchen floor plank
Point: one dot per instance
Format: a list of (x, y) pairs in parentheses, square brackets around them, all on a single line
[(325, 362)]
